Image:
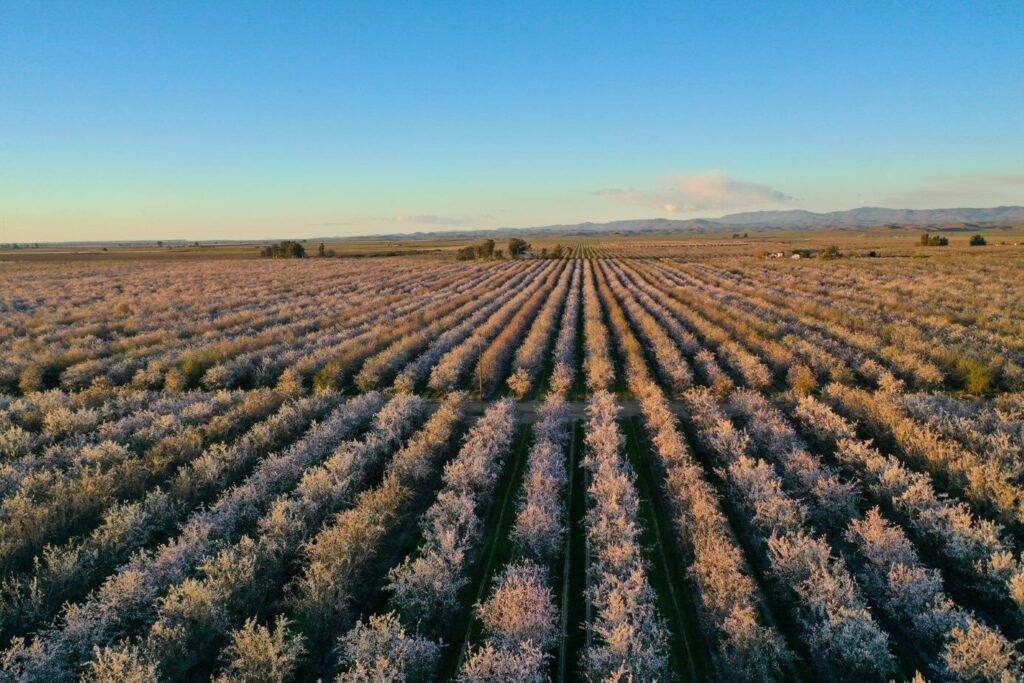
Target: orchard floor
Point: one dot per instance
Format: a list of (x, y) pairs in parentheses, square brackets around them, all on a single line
[(526, 411)]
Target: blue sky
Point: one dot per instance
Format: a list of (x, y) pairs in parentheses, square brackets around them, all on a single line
[(234, 120)]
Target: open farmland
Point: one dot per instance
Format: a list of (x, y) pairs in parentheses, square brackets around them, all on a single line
[(643, 461)]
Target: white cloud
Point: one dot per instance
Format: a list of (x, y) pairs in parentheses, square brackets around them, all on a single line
[(700, 192)]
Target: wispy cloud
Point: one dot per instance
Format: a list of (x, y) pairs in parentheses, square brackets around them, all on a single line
[(331, 224), (429, 219), (960, 189), (700, 192), (423, 219)]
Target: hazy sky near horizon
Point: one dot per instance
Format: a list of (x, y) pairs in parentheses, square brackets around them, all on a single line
[(146, 120)]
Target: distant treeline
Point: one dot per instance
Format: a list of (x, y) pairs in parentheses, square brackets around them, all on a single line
[(517, 248), (929, 240), (292, 249)]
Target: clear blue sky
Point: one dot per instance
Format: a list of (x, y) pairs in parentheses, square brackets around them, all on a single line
[(232, 120)]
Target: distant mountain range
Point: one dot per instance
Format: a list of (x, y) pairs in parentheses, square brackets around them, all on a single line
[(869, 215), (863, 217)]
